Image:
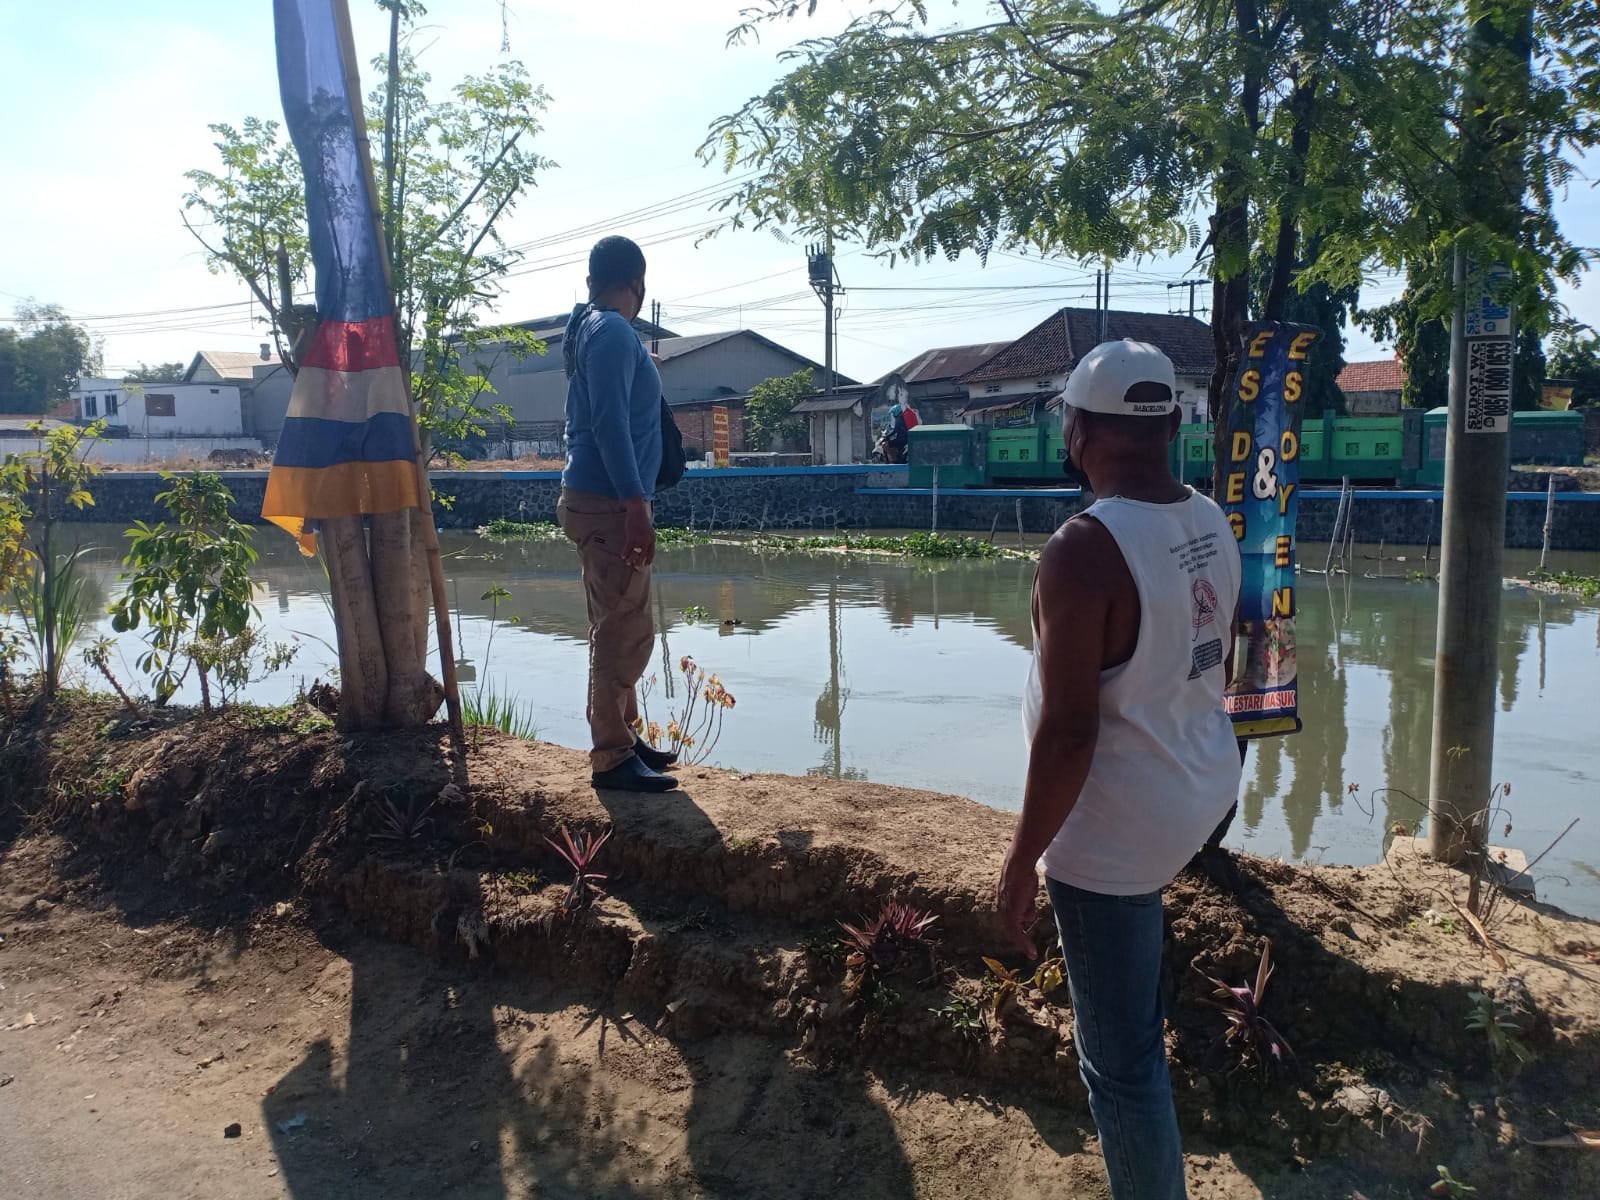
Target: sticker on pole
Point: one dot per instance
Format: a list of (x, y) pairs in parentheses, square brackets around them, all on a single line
[(1489, 385)]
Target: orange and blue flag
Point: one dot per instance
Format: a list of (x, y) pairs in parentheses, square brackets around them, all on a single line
[(348, 445)]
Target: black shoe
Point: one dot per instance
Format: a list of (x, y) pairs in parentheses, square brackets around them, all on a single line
[(656, 760), (631, 775)]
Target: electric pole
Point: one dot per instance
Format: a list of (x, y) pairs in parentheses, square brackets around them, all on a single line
[(825, 283), (655, 322), (1191, 284), (1497, 60)]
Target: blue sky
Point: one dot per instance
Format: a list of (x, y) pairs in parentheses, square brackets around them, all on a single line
[(107, 104)]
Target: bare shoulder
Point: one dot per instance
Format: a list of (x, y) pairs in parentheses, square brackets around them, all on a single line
[(1081, 556)]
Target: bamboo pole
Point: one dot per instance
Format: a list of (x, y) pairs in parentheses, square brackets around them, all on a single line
[(430, 531)]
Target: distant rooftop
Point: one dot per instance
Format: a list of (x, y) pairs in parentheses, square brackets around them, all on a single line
[(948, 362), (1055, 345), (1379, 375)]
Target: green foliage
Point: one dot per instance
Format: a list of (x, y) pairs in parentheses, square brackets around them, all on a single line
[(1063, 128), (1575, 355), (53, 613), (237, 661), (1586, 586), (501, 529), (167, 372), (914, 545), (1448, 1185), (298, 719), (1501, 1023), (35, 486), (963, 1015), (769, 406), (486, 707), (188, 583), (42, 357), (453, 169), (696, 613)]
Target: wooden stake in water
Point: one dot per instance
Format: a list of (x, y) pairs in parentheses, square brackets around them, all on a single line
[(993, 525), (1338, 523), (1549, 519), (1019, 522), (934, 528)]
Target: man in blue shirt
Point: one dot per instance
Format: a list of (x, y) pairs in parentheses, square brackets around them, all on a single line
[(613, 458)]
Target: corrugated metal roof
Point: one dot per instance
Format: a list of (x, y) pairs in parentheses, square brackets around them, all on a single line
[(1054, 346), (948, 362)]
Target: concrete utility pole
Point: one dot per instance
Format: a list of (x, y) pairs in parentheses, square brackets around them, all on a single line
[(1191, 284), (1477, 447), (819, 270)]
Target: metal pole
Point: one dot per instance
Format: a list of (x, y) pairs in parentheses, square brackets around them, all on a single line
[(1549, 519)]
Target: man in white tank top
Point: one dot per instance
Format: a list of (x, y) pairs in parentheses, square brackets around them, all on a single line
[(1132, 757)]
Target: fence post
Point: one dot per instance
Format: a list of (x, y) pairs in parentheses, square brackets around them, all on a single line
[(1549, 519)]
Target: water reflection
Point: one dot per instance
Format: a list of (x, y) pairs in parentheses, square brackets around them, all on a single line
[(910, 672)]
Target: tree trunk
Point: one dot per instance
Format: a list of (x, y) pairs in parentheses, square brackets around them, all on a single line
[(412, 696), (1301, 104), (363, 670)]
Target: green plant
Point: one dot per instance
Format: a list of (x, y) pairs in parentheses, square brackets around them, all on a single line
[(502, 529), (965, 1016), (579, 853), (34, 485), (770, 405), (1003, 984), (738, 843), (1501, 1022), (486, 707), (876, 947), (522, 882), (913, 545), (693, 732), (51, 604), (1586, 586), (823, 945), (1248, 1028), (401, 826), (237, 662), (10, 656), (882, 1000), (98, 656), (696, 613), (1448, 1185), (188, 583)]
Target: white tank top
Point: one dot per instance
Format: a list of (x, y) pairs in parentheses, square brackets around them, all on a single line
[(1166, 763)]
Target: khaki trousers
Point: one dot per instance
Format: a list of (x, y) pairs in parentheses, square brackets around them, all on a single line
[(621, 630)]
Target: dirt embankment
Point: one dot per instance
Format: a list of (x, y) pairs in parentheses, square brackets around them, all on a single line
[(711, 947)]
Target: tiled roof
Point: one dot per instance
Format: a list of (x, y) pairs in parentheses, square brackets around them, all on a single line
[(1384, 375), (947, 362), (1055, 345)]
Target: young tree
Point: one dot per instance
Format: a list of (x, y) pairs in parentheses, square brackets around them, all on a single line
[(770, 404), (1576, 356), (451, 170)]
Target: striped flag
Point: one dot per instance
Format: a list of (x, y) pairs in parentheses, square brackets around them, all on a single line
[(347, 446)]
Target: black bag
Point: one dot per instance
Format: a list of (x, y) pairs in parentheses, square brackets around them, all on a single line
[(672, 460)]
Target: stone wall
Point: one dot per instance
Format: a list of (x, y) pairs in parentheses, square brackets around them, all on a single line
[(827, 498)]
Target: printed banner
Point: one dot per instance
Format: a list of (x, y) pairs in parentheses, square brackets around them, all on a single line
[(1491, 352), (1261, 497), (348, 445), (719, 435)]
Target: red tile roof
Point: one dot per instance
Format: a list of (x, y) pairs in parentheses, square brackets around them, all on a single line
[(1384, 375), (947, 362), (1055, 345)]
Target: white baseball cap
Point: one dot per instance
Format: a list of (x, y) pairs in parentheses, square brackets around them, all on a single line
[(1101, 380)]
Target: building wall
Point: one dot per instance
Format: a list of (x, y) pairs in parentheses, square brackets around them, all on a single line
[(266, 403), (730, 367), (696, 424), (198, 410)]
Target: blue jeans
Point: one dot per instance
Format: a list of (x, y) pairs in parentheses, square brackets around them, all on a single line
[(1112, 945)]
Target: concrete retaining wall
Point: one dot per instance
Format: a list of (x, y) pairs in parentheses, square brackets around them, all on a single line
[(826, 498)]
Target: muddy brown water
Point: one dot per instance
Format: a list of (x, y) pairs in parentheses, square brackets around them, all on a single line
[(909, 672)]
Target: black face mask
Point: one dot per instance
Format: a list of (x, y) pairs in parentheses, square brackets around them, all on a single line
[(1074, 473)]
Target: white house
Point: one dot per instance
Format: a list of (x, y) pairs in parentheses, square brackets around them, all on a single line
[(160, 421)]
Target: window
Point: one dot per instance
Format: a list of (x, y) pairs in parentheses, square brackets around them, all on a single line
[(111, 405), (992, 389), (159, 404), (88, 407)]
